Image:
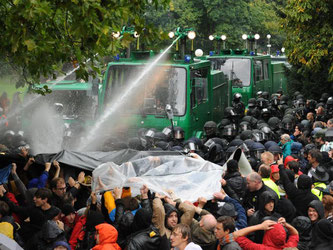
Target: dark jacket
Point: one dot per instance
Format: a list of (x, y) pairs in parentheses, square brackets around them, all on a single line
[(49, 234), (251, 199), (237, 183), (261, 213), (301, 196), (319, 207), (146, 239), (322, 235)]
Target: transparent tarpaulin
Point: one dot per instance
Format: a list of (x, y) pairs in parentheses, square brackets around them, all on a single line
[(187, 177)]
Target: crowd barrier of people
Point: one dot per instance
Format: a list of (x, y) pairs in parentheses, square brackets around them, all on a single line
[(286, 202)]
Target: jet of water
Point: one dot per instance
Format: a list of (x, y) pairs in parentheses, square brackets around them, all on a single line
[(116, 104)]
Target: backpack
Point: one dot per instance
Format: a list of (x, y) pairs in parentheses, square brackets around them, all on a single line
[(88, 241)]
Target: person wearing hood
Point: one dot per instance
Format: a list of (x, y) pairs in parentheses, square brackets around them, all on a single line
[(267, 205), (144, 235), (234, 179), (322, 235), (106, 237), (165, 217), (301, 195), (275, 236), (52, 231), (316, 211), (304, 227)]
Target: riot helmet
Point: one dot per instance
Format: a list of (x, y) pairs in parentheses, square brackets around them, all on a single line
[(190, 146), (229, 131), (246, 134), (265, 114), (229, 112), (210, 128), (275, 101), (329, 103), (160, 136), (243, 126), (230, 151), (287, 124), (300, 97), (249, 143), (259, 94), (150, 133), (252, 102), (296, 93), (179, 133), (209, 144), (237, 97), (273, 123), (235, 142), (275, 149), (221, 141), (168, 133), (258, 136), (265, 95), (324, 97), (257, 149), (262, 103)]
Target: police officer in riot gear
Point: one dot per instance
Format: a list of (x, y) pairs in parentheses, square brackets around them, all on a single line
[(275, 106), (210, 129), (238, 105), (252, 108)]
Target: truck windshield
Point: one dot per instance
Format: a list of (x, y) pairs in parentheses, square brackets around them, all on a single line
[(164, 85), (237, 69), (71, 104)]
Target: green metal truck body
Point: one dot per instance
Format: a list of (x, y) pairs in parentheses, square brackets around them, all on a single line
[(195, 92), (250, 73)]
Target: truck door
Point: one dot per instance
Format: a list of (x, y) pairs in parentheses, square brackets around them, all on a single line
[(200, 108)]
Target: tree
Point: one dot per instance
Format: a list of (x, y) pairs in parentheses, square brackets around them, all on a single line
[(217, 17), (309, 44), (39, 36)]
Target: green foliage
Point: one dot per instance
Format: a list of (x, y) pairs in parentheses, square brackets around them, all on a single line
[(39, 36), (217, 17), (309, 43)]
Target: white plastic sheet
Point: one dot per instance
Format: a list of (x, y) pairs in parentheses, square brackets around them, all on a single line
[(187, 177)]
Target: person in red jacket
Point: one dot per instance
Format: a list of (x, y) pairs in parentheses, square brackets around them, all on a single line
[(275, 237), (106, 237)]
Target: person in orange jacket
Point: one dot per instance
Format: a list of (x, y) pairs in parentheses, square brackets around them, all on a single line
[(106, 237)]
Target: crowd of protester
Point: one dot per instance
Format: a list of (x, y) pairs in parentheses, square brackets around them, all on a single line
[(285, 203)]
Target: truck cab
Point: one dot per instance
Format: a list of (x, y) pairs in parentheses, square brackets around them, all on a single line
[(188, 86), (249, 73)]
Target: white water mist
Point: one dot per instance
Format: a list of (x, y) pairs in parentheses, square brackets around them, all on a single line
[(119, 101)]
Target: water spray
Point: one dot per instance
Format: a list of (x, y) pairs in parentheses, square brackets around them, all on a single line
[(117, 102)]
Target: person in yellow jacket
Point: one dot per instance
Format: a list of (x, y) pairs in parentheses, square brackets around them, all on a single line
[(320, 178), (265, 173)]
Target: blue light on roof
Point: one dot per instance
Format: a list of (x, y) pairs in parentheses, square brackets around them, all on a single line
[(187, 58), (116, 57), (252, 53), (211, 53)]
